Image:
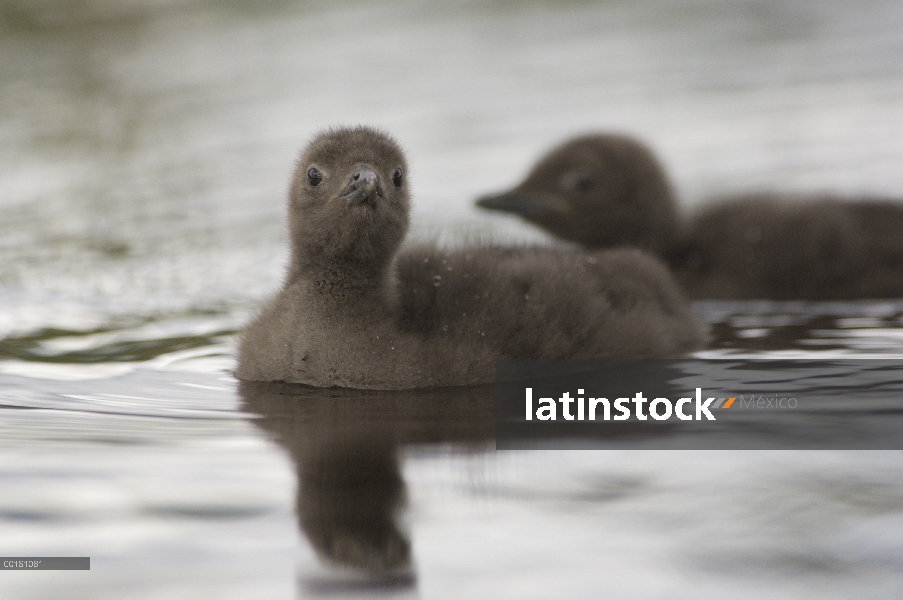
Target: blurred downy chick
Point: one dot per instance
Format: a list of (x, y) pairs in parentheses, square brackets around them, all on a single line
[(606, 191)]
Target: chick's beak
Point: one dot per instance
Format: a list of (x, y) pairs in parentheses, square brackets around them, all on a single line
[(520, 203), (362, 187)]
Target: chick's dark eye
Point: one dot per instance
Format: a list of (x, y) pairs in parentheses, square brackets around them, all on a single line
[(577, 182), (314, 177), (583, 184), (397, 178)]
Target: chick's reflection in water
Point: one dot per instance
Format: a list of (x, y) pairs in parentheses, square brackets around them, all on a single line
[(345, 444)]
